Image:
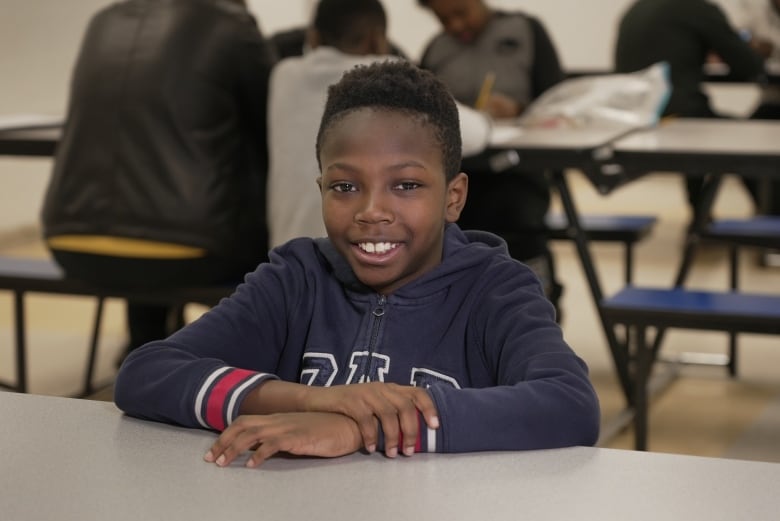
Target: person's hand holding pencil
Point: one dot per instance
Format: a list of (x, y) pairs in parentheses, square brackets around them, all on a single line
[(485, 91), (497, 105)]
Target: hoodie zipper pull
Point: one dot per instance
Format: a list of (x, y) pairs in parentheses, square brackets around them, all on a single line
[(379, 310)]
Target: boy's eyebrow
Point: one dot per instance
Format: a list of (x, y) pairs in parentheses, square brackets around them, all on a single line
[(397, 166)]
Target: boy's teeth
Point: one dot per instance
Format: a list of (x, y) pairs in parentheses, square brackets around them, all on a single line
[(378, 247)]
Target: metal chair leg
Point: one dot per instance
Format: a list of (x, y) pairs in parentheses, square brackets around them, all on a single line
[(21, 342), (93, 346)]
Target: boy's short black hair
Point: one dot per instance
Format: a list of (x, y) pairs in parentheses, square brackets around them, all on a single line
[(398, 85), (345, 23)]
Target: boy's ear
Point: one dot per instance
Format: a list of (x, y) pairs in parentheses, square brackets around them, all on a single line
[(457, 192)]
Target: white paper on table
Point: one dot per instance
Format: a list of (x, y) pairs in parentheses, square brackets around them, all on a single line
[(501, 134)]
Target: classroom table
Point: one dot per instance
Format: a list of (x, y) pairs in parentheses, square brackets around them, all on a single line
[(706, 146), (714, 72), (77, 460), (710, 146), (557, 149), (29, 135), (38, 142)]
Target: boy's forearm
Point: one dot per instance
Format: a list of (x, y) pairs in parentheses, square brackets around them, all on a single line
[(275, 396)]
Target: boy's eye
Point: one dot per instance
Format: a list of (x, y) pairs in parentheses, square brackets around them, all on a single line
[(343, 187), (408, 185)]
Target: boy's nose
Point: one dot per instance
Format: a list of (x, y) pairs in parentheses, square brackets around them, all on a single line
[(374, 208)]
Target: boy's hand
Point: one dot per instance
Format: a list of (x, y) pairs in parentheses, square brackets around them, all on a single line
[(395, 406), (306, 434)]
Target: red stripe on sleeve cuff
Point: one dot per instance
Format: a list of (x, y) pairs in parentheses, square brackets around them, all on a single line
[(220, 393)]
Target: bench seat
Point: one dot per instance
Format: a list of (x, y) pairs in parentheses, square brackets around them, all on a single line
[(45, 276), (626, 229), (36, 275), (616, 228), (691, 309), (761, 231), (643, 308)]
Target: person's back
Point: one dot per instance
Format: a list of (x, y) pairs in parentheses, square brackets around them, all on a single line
[(682, 33), (163, 157), (165, 132)]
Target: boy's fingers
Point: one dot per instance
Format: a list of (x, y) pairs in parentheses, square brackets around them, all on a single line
[(368, 432), (410, 426), (391, 430), (363, 415), (262, 453), (233, 441), (424, 403), (218, 448), (224, 457)]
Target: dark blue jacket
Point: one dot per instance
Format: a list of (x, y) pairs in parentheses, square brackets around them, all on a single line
[(476, 331)]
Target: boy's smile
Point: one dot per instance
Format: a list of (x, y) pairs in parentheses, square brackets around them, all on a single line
[(385, 199)]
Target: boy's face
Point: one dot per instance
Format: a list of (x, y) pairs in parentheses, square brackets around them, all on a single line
[(385, 199), (464, 20)]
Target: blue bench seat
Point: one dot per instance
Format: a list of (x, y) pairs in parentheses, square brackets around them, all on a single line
[(642, 308), (36, 275), (618, 228), (761, 231), (625, 229), (691, 309)]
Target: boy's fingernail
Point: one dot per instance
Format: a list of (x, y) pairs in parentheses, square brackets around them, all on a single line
[(371, 448), (221, 460), (209, 457), (392, 453), (435, 422), (408, 451), (250, 463)]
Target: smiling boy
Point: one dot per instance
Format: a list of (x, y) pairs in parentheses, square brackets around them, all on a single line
[(399, 332)]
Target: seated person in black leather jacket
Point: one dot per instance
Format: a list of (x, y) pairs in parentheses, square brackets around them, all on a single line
[(159, 178)]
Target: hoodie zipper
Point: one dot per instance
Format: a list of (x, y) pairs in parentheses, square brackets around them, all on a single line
[(378, 312)]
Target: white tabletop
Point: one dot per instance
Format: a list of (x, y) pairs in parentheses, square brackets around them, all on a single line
[(706, 136), (67, 459)]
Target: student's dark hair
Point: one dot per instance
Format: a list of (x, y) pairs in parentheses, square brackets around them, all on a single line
[(398, 86), (347, 23)]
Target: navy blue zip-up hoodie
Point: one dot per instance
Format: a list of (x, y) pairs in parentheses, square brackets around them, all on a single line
[(476, 331)]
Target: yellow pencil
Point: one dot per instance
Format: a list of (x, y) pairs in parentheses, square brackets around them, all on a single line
[(485, 90)]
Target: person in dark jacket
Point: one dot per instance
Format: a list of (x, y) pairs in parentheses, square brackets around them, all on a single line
[(499, 62), (159, 178), (685, 34), (398, 332)]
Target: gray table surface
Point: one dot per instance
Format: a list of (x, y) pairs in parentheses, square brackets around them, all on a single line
[(706, 136), (67, 459)]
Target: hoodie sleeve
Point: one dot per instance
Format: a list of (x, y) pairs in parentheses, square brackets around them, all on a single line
[(199, 376), (543, 397)]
